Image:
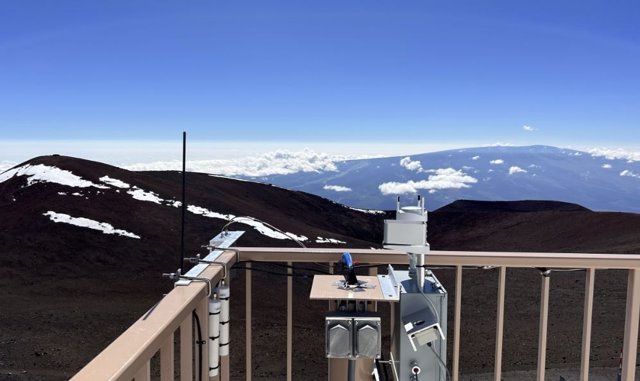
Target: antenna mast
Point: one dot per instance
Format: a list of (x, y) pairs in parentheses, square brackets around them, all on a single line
[(184, 197)]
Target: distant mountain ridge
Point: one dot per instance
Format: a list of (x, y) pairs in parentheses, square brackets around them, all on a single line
[(499, 173), (529, 206)]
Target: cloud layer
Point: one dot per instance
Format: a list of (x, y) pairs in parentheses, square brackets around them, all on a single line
[(613, 154), (444, 178), (271, 163)]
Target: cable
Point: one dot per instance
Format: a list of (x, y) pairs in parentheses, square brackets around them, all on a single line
[(440, 360), (287, 266), (275, 273), (199, 342), (235, 219)]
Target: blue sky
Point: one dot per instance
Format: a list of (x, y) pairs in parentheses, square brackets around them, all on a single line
[(405, 72)]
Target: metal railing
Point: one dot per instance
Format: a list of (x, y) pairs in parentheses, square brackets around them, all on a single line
[(128, 357)]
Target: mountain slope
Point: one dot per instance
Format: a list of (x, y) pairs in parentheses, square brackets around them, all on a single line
[(483, 173), (65, 284), (144, 204), (68, 290)]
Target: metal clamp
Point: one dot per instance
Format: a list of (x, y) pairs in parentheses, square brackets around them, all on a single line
[(212, 248), (178, 276), (197, 259)]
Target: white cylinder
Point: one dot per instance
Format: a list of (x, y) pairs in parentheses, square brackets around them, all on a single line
[(224, 293), (215, 307)]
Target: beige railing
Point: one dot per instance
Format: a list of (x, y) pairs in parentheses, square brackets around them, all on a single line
[(128, 357)]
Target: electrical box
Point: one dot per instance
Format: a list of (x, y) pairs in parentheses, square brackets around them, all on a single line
[(353, 335)]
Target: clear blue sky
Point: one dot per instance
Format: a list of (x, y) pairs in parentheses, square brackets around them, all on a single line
[(442, 71)]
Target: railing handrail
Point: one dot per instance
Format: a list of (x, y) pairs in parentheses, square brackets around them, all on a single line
[(131, 351), (447, 258)]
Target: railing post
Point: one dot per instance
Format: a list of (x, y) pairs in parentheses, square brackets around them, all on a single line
[(502, 279), (373, 271), (144, 374), (186, 349), (247, 323), (290, 322), (629, 351), (542, 337), (166, 360), (203, 315), (455, 369), (586, 323)]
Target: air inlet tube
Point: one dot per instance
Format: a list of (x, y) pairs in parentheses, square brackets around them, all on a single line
[(215, 306), (224, 293)]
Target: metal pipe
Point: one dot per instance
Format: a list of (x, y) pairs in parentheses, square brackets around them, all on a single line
[(630, 348), (351, 372), (544, 319), (502, 280), (586, 323), (247, 323)]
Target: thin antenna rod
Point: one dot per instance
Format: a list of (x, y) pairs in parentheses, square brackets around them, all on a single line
[(184, 197)]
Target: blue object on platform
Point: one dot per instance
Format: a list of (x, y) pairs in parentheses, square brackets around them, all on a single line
[(346, 259)]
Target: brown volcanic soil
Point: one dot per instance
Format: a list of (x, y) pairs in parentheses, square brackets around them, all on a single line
[(69, 291)]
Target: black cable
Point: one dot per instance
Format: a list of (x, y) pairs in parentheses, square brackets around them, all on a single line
[(199, 342), (278, 264), (305, 275)]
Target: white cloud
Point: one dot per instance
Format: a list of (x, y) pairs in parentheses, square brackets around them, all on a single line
[(613, 154), (411, 165), (337, 188), (270, 163), (629, 173), (497, 161), (499, 144), (606, 166), (516, 169), (444, 178), (6, 164), (528, 128), (475, 158)]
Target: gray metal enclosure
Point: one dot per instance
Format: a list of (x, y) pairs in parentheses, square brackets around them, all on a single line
[(414, 313)]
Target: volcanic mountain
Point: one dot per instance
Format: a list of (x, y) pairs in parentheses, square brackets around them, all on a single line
[(82, 246)]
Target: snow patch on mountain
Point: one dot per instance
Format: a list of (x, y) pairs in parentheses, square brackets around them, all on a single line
[(104, 227), (328, 240), (115, 182), (368, 211), (142, 195), (41, 173), (262, 227)]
